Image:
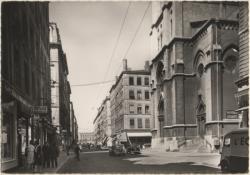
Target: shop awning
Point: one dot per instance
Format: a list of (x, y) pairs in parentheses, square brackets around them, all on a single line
[(139, 134)]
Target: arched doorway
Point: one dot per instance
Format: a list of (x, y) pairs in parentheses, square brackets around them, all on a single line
[(201, 117), (201, 86)]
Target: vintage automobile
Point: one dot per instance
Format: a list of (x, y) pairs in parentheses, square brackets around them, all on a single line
[(133, 149), (234, 153), (117, 150)]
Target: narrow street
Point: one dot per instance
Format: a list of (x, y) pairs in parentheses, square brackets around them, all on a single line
[(163, 84), (149, 162)]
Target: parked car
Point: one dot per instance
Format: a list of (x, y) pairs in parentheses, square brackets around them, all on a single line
[(104, 148), (117, 150), (147, 145), (234, 153), (133, 149)]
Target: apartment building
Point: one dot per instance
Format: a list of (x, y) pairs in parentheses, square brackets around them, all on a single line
[(130, 104)]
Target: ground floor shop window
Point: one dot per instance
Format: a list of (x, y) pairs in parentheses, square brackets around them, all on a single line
[(8, 136)]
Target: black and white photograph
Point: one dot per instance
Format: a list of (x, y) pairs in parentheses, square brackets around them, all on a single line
[(124, 87)]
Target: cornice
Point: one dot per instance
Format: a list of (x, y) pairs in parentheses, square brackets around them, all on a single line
[(178, 75)]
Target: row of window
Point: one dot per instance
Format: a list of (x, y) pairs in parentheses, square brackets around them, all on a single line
[(139, 81), (138, 110), (139, 123), (138, 95)]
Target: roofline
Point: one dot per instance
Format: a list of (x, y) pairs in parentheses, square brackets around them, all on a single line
[(195, 36), (135, 72), (169, 4)]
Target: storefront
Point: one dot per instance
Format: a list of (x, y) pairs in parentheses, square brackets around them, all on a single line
[(16, 129), (9, 136), (140, 138)]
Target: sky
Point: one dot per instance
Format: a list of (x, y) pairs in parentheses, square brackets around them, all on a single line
[(89, 31)]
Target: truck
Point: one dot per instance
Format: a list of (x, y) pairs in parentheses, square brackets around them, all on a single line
[(235, 150)]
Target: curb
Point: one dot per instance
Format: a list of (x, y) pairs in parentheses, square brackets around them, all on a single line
[(60, 166)]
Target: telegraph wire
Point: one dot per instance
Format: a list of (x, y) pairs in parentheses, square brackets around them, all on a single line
[(87, 84), (137, 30), (92, 84), (115, 47)]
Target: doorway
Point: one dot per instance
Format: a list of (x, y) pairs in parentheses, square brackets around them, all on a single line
[(201, 121)]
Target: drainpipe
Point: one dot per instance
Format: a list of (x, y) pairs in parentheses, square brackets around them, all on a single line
[(183, 76)]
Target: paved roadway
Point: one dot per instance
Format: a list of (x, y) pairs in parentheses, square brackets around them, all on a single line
[(148, 162)]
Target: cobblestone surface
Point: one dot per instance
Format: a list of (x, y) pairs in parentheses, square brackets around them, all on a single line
[(148, 162)]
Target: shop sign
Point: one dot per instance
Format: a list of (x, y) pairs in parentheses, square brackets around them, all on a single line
[(36, 117), (231, 115), (22, 131), (39, 110)]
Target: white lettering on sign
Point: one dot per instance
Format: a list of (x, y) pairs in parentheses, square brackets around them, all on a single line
[(39, 110)]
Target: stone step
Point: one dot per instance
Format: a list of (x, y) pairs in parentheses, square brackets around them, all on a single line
[(195, 146)]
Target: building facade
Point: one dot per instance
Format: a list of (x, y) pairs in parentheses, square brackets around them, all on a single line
[(130, 105), (242, 82), (87, 137), (195, 63), (25, 78), (102, 124), (60, 87), (75, 131), (73, 125)]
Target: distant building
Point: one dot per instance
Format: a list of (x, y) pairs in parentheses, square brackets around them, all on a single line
[(25, 79), (60, 87), (102, 123), (130, 104), (195, 63), (86, 137), (75, 133), (73, 125)]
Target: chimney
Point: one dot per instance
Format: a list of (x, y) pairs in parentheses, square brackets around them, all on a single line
[(146, 66), (125, 66)]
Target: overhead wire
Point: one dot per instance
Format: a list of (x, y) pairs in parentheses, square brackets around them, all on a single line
[(131, 43), (92, 84), (115, 47), (137, 30)]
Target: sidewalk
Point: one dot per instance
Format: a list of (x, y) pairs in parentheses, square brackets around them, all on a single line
[(62, 159), (197, 158)]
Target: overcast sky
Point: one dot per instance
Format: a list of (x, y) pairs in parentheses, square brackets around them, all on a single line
[(88, 32)]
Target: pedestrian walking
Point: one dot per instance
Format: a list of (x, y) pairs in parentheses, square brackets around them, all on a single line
[(54, 155), (46, 160), (29, 153), (38, 156), (77, 151)]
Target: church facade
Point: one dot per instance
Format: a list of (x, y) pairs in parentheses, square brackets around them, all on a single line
[(195, 62)]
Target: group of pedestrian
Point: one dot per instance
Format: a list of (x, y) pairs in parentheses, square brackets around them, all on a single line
[(38, 156)]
